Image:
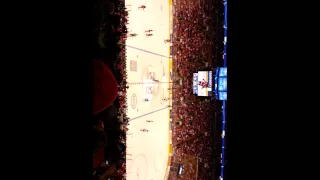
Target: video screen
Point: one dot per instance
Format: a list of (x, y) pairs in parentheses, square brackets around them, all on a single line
[(223, 72), (220, 87), (222, 84), (222, 96), (204, 83), (195, 83)]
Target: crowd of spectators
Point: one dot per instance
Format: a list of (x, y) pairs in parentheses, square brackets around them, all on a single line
[(194, 46), (109, 123), (193, 41)]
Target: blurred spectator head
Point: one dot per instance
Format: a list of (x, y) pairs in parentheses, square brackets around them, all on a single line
[(99, 139)]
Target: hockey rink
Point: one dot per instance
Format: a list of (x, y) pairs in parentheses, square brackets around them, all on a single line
[(148, 60)]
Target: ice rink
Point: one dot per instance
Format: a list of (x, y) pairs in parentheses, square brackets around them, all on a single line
[(148, 59)]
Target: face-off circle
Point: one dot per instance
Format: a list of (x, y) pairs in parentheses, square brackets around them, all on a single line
[(150, 83), (137, 168)]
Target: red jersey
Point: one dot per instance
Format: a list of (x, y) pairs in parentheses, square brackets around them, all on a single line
[(204, 84)]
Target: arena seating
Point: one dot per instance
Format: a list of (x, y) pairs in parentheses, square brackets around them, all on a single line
[(195, 46)]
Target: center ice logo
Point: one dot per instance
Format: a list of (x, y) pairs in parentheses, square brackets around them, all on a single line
[(150, 83)]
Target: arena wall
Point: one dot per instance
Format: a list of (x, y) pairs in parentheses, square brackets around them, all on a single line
[(169, 91)]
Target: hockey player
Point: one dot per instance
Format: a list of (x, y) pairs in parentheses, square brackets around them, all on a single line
[(142, 7)]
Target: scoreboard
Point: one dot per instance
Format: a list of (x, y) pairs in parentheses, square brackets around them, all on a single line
[(204, 83)]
